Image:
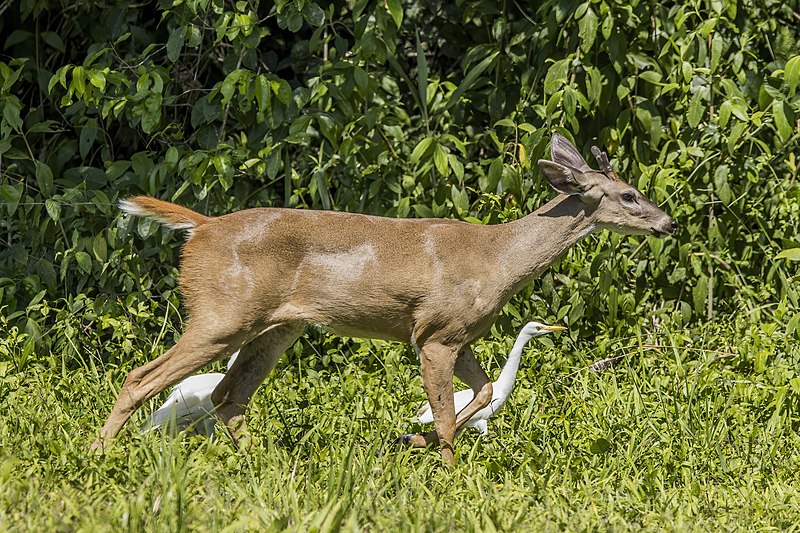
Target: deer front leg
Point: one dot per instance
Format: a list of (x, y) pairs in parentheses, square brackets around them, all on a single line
[(438, 365), (200, 344)]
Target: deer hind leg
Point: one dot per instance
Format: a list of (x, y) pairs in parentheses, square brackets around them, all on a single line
[(255, 361), (470, 372), (438, 364), (198, 346)]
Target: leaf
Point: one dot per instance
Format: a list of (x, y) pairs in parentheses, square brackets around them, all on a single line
[(421, 149), (587, 30), (12, 108), (594, 84), (423, 211), (599, 446), (88, 136), (440, 160), (44, 177), (792, 254), (43, 127), (396, 10), (18, 36), (724, 113), (53, 209), (494, 175), (96, 78), (455, 164), (263, 94), (699, 295), (721, 185), (361, 77), (781, 122), (53, 40), (422, 79), (740, 111), (228, 86), (151, 113), (84, 262), (556, 76), (651, 76), (736, 133), (469, 80), (608, 25), (11, 196), (791, 74), (460, 199), (283, 91), (175, 42), (716, 51), (688, 71), (314, 14), (117, 169), (293, 18), (100, 248), (403, 207), (696, 110)]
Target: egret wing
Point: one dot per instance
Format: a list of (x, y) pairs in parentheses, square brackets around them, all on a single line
[(188, 402), (461, 400)]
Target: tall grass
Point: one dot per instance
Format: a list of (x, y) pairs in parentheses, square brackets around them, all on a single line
[(682, 434)]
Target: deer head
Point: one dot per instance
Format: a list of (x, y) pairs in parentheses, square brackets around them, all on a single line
[(613, 204)]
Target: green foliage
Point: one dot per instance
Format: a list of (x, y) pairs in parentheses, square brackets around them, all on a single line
[(692, 429), (402, 110)]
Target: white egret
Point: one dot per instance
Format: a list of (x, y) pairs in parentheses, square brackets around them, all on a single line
[(189, 405), (501, 389)]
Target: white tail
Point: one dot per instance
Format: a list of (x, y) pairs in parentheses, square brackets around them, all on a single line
[(253, 279)]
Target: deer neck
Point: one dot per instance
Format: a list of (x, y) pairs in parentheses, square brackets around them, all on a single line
[(539, 239)]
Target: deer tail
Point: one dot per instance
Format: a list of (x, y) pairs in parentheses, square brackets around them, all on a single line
[(171, 215)]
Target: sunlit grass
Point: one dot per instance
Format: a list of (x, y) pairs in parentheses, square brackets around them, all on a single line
[(681, 436)]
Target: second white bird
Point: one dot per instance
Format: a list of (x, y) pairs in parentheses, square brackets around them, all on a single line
[(501, 389)]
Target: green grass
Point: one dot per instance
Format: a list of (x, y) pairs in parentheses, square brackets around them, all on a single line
[(699, 434)]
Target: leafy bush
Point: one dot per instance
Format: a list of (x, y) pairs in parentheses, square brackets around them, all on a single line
[(400, 109)]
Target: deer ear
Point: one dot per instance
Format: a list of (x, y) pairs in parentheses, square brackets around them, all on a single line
[(563, 179), (565, 153)]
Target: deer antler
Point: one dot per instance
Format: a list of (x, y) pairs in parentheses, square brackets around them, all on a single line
[(605, 166)]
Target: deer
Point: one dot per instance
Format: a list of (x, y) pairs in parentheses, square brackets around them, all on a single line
[(252, 280)]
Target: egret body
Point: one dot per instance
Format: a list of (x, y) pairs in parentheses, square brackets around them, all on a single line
[(189, 405), (501, 389)]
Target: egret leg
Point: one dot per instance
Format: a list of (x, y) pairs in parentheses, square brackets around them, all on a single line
[(255, 361)]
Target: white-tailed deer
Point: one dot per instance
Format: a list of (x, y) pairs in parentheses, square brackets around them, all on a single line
[(252, 280)]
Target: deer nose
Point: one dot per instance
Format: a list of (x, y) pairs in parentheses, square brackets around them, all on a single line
[(674, 225)]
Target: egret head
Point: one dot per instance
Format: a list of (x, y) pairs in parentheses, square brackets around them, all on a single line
[(534, 329)]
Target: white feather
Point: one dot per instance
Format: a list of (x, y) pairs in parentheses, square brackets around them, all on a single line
[(189, 405)]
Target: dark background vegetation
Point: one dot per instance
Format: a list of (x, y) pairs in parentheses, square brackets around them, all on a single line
[(397, 108)]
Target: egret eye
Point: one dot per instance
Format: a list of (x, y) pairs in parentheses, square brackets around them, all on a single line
[(628, 196)]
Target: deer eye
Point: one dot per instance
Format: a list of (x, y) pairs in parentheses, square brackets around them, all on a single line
[(628, 196)]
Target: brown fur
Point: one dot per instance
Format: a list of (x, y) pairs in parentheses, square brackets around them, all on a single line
[(252, 279)]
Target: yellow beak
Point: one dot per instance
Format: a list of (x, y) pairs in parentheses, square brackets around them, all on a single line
[(554, 328)]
